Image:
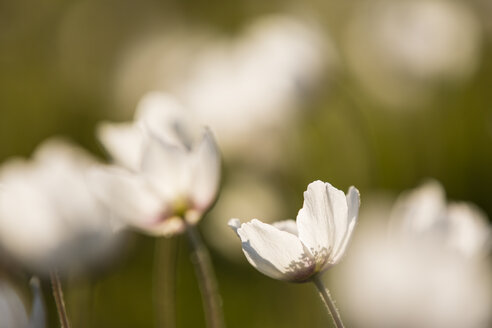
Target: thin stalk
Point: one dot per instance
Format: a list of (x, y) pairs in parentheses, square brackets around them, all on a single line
[(329, 303), (59, 300), (206, 280), (165, 266)]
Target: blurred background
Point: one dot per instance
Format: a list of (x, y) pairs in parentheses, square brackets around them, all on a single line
[(378, 94)]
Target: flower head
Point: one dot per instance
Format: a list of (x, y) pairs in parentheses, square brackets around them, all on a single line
[(167, 171), (424, 215), (295, 251), (432, 262), (49, 218)]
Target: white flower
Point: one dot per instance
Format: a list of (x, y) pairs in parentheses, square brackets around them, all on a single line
[(49, 218), (167, 170), (424, 214), (295, 251), (401, 50), (428, 272), (246, 88)]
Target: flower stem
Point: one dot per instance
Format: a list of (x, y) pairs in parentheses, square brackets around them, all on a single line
[(165, 265), (329, 303), (206, 280), (60, 302)]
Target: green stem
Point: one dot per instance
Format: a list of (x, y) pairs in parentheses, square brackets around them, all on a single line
[(328, 301), (206, 280), (59, 300), (165, 266)]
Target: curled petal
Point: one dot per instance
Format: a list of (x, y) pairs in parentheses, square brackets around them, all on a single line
[(353, 203), (275, 253)]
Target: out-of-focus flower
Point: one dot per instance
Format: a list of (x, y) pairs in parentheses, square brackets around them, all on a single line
[(49, 219), (296, 251), (428, 271), (400, 50), (243, 88), (256, 82), (169, 170), (424, 214)]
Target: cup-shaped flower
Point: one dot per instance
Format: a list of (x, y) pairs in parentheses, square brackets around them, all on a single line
[(431, 256), (424, 214), (167, 170), (296, 251), (49, 218)]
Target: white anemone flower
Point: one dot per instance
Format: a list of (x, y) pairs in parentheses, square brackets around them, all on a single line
[(249, 88), (167, 170), (430, 271), (49, 219), (402, 51), (297, 251), (424, 214)]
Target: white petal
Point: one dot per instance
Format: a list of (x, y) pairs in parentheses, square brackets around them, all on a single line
[(353, 203), (167, 169), (322, 221), (468, 230), (275, 253), (30, 228), (127, 195), (165, 118), (234, 224), (57, 149), (422, 209), (206, 172), (60, 166), (288, 226), (124, 142)]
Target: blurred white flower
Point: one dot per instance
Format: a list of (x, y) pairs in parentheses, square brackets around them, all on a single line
[(243, 88), (296, 251), (428, 272), (255, 83), (424, 214), (48, 216), (400, 50), (169, 170)]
